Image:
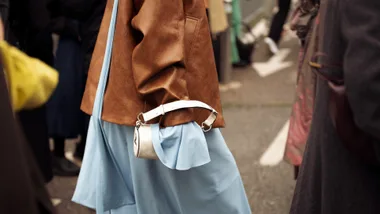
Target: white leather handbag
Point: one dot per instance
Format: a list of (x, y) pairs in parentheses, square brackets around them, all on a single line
[(143, 144)]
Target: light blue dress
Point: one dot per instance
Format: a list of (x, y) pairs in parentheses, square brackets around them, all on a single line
[(195, 174)]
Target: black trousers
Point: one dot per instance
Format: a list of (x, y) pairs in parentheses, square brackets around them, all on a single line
[(279, 20), (216, 47)]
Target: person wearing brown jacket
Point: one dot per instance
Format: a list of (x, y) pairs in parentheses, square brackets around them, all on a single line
[(179, 56), (155, 57)]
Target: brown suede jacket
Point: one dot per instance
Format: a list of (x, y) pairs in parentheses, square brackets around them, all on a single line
[(162, 52)]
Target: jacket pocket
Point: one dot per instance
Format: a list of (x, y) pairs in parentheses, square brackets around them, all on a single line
[(356, 141), (191, 29)]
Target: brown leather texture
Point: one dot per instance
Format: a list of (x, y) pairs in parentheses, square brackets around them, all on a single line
[(162, 52), (206, 3)]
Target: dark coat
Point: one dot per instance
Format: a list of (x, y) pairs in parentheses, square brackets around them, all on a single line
[(77, 22), (29, 21), (65, 119), (28, 29), (62, 22), (333, 177), (88, 12), (90, 24), (64, 116), (22, 189)]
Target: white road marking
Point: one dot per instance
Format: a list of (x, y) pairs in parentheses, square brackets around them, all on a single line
[(230, 86), (260, 29), (274, 64), (275, 152)]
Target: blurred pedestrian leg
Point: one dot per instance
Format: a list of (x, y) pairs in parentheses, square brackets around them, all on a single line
[(65, 118), (277, 25)]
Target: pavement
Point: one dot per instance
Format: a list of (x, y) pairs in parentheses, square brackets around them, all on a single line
[(256, 114), (256, 108)]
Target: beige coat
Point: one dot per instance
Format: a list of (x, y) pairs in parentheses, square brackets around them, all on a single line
[(217, 15)]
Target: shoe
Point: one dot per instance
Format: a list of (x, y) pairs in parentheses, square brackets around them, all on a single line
[(78, 155), (63, 167), (79, 151), (272, 46)]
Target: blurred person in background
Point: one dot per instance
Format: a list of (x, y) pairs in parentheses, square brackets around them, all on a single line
[(340, 167), (77, 23), (29, 31), (218, 25), (305, 23), (90, 14), (22, 188), (277, 26), (65, 119), (34, 37)]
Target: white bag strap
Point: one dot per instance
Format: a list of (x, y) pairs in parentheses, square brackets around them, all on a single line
[(176, 105), (104, 148)]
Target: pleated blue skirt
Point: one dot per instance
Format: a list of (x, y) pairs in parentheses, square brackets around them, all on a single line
[(130, 185)]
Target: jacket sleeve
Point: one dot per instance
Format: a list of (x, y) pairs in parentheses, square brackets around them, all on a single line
[(360, 26), (158, 58)]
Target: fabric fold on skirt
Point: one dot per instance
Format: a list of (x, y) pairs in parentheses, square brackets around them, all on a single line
[(181, 147), (140, 186)]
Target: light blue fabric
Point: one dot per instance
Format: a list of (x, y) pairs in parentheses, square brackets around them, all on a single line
[(114, 181), (149, 187), (181, 147)]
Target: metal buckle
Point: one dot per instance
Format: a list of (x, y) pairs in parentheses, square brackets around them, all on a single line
[(315, 65), (205, 127), (140, 120)]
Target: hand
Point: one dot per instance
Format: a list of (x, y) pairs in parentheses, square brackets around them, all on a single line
[(1, 30)]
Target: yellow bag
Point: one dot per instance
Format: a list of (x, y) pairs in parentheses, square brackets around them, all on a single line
[(30, 81)]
